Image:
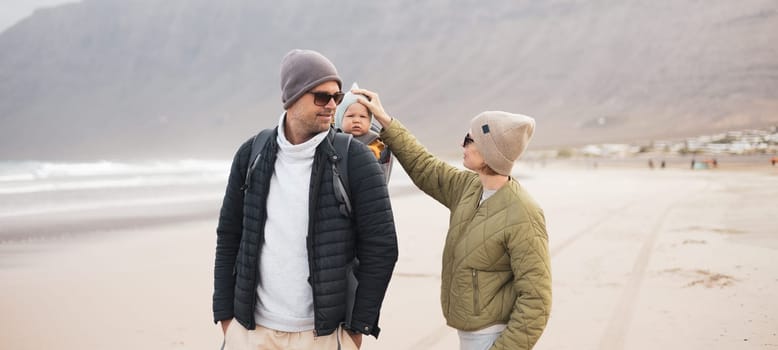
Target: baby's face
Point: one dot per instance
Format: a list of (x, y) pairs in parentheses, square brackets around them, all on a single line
[(356, 120)]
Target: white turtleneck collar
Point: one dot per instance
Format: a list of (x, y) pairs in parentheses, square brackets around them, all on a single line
[(304, 150)]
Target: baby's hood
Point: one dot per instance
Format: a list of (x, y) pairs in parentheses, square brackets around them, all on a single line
[(348, 100)]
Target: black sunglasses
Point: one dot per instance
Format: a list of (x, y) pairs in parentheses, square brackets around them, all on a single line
[(468, 140), (321, 99)]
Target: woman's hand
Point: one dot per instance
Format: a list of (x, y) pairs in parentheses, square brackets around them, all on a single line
[(373, 103)]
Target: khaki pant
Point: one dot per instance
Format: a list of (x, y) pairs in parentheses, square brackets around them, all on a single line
[(239, 338)]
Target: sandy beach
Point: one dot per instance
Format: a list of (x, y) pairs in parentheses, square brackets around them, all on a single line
[(641, 259)]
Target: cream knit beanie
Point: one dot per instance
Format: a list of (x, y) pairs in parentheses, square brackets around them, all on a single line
[(501, 138)]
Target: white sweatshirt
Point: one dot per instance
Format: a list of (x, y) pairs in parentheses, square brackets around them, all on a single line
[(285, 297)]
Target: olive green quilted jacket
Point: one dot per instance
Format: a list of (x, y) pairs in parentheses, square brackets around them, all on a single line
[(496, 265)]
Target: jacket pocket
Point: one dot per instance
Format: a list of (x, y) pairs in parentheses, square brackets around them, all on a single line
[(476, 306)]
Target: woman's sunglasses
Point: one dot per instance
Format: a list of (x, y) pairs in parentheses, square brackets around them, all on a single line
[(468, 140), (321, 99)]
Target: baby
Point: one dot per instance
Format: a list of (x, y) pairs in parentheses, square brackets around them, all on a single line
[(354, 118)]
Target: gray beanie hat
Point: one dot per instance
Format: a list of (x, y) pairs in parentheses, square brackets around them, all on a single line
[(501, 138), (301, 71)]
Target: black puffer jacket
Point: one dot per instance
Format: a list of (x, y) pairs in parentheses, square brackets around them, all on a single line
[(333, 240)]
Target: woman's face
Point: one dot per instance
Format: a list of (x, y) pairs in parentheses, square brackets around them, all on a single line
[(472, 158), (356, 120)]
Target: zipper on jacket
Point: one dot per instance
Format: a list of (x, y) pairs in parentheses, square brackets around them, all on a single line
[(476, 308), (313, 197)]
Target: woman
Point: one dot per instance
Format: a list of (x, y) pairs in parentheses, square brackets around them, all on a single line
[(496, 278)]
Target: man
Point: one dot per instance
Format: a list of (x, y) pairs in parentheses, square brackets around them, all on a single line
[(284, 248)]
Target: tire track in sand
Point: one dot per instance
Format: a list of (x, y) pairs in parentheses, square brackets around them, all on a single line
[(618, 325), (555, 250)]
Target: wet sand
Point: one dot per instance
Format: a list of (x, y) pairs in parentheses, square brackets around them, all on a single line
[(641, 259)]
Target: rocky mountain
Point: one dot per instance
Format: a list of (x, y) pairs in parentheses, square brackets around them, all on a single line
[(194, 78)]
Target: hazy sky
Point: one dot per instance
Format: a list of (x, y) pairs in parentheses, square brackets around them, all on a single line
[(11, 11)]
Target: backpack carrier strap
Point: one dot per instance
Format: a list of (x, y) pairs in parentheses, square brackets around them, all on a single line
[(257, 145), (341, 142)]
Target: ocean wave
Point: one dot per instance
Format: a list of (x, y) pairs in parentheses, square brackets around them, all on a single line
[(110, 204), (32, 176)]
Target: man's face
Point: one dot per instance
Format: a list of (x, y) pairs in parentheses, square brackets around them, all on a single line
[(356, 120), (304, 119)]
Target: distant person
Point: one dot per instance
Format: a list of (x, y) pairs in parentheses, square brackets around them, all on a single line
[(354, 118), (662, 165), (693, 163), (283, 247), (496, 279), (651, 164), (773, 160), (715, 163)]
